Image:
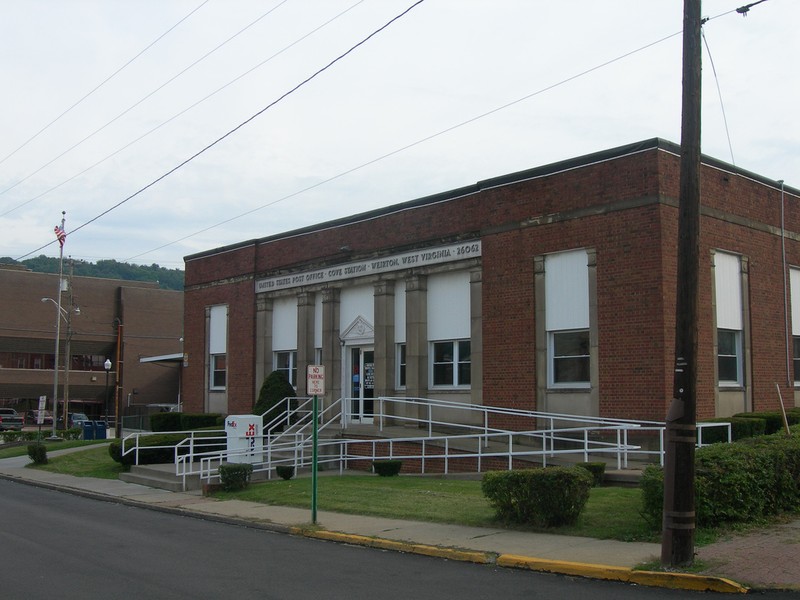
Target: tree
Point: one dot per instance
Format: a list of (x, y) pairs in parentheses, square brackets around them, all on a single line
[(276, 387)]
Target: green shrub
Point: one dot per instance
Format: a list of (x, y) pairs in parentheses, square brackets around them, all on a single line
[(773, 420), (165, 421), (740, 482), (652, 486), (547, 497), (235, 476), (285, 471), (596, 469), (193, 421), (274, 389), (741, 428), (38, 453), (387, 468)]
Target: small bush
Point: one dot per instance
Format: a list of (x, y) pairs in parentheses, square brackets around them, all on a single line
[(235, 476), (285, 471), (387, 468), (547, 497), (38, 453), (596, 469), (652, 486)]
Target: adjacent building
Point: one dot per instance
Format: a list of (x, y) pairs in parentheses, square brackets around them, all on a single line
[(101, 319), (552, 289)]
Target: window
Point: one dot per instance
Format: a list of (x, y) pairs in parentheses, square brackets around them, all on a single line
[(796, 359), (567, 319), (400, 379), (452, 363), (728, 357), (219, 371), (570, 358), (218, 347), (286, 363)]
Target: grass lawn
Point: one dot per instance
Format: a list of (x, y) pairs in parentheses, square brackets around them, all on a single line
[(611, 513)]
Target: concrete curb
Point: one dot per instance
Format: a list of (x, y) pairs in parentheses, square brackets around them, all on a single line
[(408, 547), (683, 581)]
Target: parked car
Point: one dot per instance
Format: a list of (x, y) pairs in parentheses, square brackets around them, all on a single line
[(32, 417), (77, 419), (10, 419)]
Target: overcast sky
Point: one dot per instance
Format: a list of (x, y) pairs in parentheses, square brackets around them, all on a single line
[(103, 98)]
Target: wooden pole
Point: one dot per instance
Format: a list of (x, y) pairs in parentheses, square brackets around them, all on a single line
[(677, 544)]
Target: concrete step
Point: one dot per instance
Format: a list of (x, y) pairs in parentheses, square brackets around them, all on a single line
[(161, 477)]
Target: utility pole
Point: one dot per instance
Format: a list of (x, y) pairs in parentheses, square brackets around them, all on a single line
[(67, 349), (677, 543)]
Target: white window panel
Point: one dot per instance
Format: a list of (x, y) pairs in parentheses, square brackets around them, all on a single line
[(567, 290), (728, 280), (218, 329), (284, 324), (449, 306)]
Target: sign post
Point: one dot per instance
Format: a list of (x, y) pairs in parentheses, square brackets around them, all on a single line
[(315, 385)]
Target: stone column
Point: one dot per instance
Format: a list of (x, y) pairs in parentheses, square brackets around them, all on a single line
[(305, 338), (476, 335), (417, 338), (263, 358), (331, 344), (384, 338)]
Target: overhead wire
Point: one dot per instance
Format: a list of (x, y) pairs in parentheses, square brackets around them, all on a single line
[(137, 103), (102, 83), (440, 133), (185, 110), (240, 125), (370, 162)]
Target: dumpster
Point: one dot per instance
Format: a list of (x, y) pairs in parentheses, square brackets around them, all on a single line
[(88, 430), (100, 430)]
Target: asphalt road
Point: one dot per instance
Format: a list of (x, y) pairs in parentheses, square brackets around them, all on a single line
[(54, 544)]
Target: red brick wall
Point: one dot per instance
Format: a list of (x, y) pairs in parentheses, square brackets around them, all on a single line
[(636, 276)]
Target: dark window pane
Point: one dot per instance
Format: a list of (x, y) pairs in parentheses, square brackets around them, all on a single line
[(571, 370), (571, 343), (728, 368), (443, 374)]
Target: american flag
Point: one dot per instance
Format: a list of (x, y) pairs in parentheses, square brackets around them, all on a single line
[(61, 235)]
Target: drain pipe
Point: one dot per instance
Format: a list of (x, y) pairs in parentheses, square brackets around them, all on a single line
[(785, 291)]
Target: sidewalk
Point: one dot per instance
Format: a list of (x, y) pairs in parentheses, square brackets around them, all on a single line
[(770, 559)]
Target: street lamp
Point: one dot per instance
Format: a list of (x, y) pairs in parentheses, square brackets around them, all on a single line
[(107, 367)]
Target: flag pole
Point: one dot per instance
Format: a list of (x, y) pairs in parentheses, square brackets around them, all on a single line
[(61, 235)]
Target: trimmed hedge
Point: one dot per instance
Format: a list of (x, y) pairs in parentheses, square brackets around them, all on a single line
[(285, 472), (596, 469), (546, 497), (165, 421), (773, 420), (38, 453), (235, 476), (148, 455), (739, 482), (386, 467), (741, 428), (275, 388)]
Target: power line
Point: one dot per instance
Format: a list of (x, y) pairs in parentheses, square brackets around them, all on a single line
[(135, 104), (185, 110), (101, 84), (431, 137), (242, 124)]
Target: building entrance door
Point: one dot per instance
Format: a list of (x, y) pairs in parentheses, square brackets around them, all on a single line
[(362, 383)]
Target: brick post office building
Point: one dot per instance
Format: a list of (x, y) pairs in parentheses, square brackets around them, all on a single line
[(552, 289)]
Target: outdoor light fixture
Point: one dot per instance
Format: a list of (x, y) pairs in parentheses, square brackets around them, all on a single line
[(107, 367)]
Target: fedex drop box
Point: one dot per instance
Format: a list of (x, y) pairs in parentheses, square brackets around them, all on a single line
[(245, 442)]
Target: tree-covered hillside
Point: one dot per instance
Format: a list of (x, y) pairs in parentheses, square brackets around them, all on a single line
[(168, 279)]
